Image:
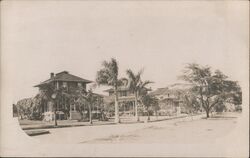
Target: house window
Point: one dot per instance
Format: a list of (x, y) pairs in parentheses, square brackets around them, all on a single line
[(64, 85), (79, 84), (123, 93), (111, 93)]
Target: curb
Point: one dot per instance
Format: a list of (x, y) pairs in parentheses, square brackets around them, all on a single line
[(173, 118), (111, 123), (37, 132)]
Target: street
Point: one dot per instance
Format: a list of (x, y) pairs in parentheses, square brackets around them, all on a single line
[(181, 131)]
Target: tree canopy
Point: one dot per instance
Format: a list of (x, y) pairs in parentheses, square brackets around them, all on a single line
[(150, 103), (211, 88), (108, 75)]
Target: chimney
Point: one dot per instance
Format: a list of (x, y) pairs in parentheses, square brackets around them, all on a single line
[(51, 75)]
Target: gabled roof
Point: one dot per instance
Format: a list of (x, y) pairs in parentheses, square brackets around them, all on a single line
[(64, 76), (171, 89), (111, 99), (124, 87), (121, 88), (99, 95)]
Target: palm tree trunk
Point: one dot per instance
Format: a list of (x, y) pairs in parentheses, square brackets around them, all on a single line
[(117, 119), (148, 116), (156, 113), (136, 107), (55, 112), (133, 108), (90, 115), (81, 112)]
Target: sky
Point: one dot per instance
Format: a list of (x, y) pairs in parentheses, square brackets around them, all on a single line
[(40, 37)]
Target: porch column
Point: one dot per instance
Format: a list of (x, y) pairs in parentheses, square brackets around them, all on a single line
[(57, 85), (124, 107), (133, 107), (97, 111), (70, 111)]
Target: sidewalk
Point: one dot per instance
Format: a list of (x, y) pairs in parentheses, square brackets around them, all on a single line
[(74, 123), (63, 124)]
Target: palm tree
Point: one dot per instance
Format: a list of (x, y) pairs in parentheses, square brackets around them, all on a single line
[(108, 75), (137, 86)]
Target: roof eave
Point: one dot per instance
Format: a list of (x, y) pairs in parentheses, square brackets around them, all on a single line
[(39, 85), (87, 81)]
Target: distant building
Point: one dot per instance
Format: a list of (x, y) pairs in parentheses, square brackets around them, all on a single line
[(170, 98), (68, 81)]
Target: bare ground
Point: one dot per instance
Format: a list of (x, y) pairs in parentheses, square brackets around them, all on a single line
[(183, 131)]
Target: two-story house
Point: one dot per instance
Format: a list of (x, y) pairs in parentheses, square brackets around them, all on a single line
[(126, 98), (69, 82)]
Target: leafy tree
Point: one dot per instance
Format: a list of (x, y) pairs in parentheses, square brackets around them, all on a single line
[(91, 100), (79, 98), (236, 96), (24, 108), (49, 93), (42, 98), (210, 88), (151, 104), (190, 102), (137, 86), (108, 75), (82, 98), (109, 108)]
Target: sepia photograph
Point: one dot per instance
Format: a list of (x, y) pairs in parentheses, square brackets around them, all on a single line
[(110, 78)]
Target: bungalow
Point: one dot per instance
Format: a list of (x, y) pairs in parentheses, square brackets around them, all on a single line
[(70, 82), (170, 98)]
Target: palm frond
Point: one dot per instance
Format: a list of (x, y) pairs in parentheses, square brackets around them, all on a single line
[(140, 72), (145, 83), (131, 75)]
